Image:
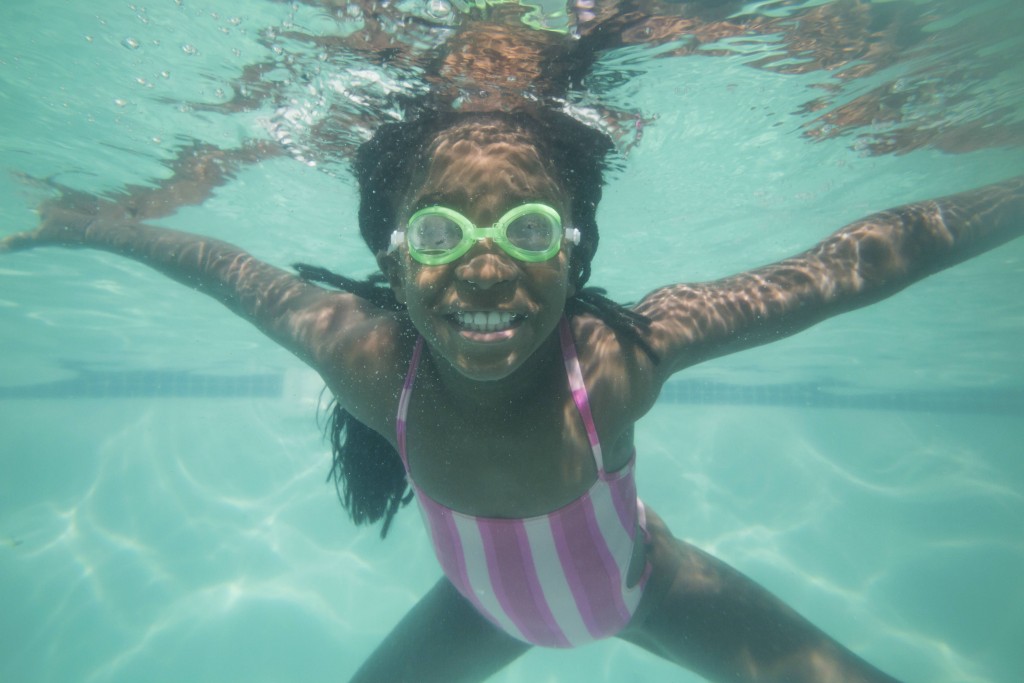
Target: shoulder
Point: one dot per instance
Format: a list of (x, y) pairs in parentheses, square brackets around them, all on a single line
[(621, 379), (366, 367)]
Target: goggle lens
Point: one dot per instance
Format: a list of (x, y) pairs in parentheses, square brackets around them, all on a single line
[(533, 232), (434, 234)]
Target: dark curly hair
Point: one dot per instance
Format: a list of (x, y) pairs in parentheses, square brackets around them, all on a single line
[(366, 470)]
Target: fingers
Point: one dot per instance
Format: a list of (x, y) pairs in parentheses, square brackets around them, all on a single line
[(57, 228), (19, 241)]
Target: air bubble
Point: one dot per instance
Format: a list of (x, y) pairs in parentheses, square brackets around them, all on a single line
[(131, 43), (439, 9), (121, 102), (189, 49)]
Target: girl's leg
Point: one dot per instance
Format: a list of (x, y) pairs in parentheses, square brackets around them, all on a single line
[(442, 639), (704, 615)]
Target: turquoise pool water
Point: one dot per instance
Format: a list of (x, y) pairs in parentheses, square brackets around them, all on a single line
[(163, 510)]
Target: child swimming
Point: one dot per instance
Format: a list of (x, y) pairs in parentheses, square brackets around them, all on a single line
[(480, 371)]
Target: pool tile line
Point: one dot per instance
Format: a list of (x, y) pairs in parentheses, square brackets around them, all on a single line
[(151, 383), (969, 400), (91, 384)]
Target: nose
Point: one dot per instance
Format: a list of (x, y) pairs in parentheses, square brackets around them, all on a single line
[(485, 266)]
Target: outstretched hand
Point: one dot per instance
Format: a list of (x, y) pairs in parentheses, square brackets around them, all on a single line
[(57, 227)]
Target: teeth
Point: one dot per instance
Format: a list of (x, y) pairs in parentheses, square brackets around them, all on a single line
[(491, 321)]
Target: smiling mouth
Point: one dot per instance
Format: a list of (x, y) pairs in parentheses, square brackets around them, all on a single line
[(491, 321)]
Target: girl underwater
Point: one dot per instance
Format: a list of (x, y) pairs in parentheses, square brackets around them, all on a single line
[(480, 373), (508, 393)]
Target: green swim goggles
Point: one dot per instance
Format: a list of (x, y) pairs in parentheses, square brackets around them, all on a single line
[(437, 235)]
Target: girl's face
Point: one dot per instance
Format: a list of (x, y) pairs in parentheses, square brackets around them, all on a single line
[(486, 312)]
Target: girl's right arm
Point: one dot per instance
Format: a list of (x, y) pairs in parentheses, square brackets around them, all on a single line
[(325, 329)]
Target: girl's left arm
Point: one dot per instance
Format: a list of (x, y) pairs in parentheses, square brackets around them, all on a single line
[(861, 263)]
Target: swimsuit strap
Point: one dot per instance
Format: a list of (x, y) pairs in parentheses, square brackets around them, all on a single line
[(403, 400), (579, 390)]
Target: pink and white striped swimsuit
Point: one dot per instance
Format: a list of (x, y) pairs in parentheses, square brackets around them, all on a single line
[(556, 580)]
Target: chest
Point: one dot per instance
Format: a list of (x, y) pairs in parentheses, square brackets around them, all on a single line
[(500, 459)]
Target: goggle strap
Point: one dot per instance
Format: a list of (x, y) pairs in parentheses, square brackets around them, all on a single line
[(397, 240)]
